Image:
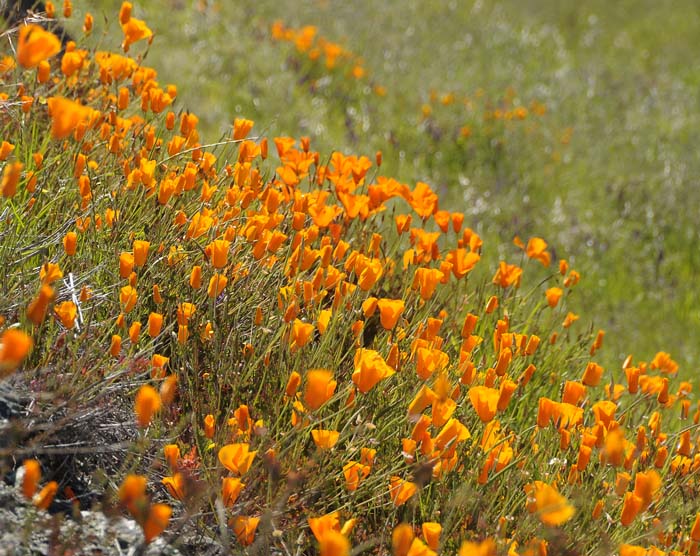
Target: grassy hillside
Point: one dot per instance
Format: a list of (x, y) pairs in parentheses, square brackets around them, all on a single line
[(436, 297), (607, 175)]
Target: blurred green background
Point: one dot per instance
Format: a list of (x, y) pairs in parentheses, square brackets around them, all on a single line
[(603, 165)]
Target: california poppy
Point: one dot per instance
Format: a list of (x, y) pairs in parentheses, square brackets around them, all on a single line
[(244, 528), (15, 345), (390, 311), (46, 495), (134, 30), (236, 458), (31, 478), (140, 250), (370, 368), (354, 473), (319, 388), (325, 439), (156, 521), (334, 543), (551, 507), (217, 251), (128, 298), (553, 296), (508, 275), (401, 491), (230, 490), (66, 115), (148, 402), (66, 313), (485, 402), (537, 249), (35, 45)]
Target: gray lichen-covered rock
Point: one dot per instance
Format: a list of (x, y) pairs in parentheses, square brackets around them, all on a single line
[(27, 531)]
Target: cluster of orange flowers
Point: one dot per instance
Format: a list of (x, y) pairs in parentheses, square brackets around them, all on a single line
[(478, 110), (316, 47), (372, 343)]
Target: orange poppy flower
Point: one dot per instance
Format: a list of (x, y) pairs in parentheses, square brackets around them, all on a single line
[(371, 272), (370, 368), (66, 115), (422, 399), (115, 345), (132, 492), (430, 360), (172, 455), (354, 473), (5, 147), (631, 506), (175, 485), (155, 324), (15, 345), (156, 521), (128, 298), (426, 280), (507, 275), (451, 433), (34, 45), (236, 458), (39, 305), (325, 439), (301, 333), (553, 296), (217, 284), (695, 530), (140, 250), (604, 412), (664, 363), (401, 491), (463, 261), (126, 264), (319, 388), (592, 374), (135, 332), (486, 547), (431, 533), (570, 319), (66, 313), (31, 478), (46, 495), (390, 310), (209, 426), (231, 488), (537, 249), (485, 402), (574, 392), (217, 251), (70, 243), (49, 273), (334, 543), (241, 128), (401, 540), (244, 528), (148, 402), (10, 179), (134, 30), (424, 200), (551, 507), (646, 486)]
